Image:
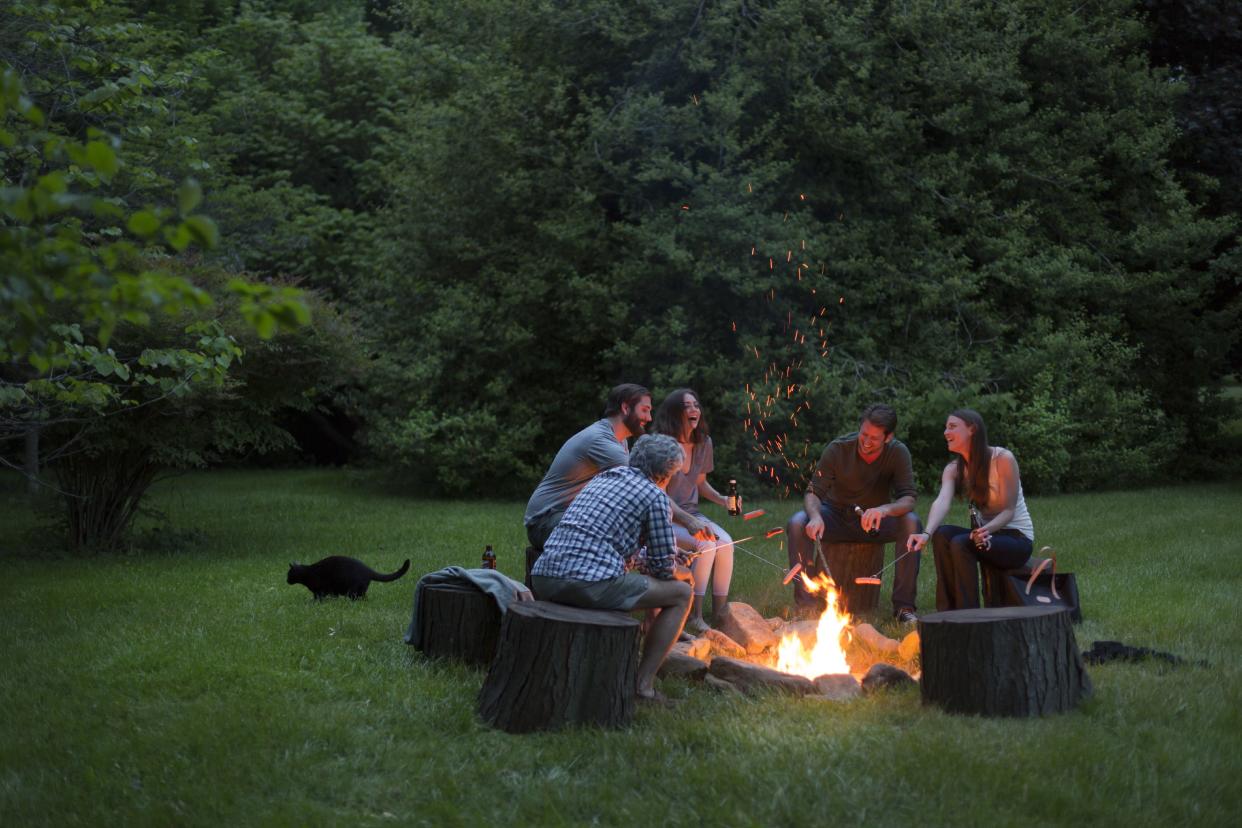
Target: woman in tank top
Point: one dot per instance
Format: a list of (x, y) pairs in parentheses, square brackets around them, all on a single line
[(1001, 534), (680, 416)]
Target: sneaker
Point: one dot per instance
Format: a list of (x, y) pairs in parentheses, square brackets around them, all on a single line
[(906, 615), (697, 626)]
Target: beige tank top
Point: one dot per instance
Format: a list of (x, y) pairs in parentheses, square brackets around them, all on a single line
[(1021, 519)]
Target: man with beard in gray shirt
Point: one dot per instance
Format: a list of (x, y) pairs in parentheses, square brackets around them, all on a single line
[(599, 446)]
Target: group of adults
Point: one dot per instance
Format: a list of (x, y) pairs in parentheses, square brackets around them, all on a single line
[(620, 527)]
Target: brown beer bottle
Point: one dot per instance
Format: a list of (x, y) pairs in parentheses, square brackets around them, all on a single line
[(734, 501), (489, 558)]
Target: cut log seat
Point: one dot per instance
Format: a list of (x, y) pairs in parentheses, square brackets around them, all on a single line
[(1004, 661), (856, 560), (558, 666), (458, 621)]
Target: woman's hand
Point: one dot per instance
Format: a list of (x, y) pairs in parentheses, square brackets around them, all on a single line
[(982, 538), (699, 528), (917, 541)]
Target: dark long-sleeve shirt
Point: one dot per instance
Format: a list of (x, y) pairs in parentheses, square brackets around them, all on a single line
[(843, 479)]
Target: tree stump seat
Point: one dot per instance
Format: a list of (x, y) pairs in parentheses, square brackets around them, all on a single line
[(855, 560), (459, 622), (558, 665), (1002, 661)]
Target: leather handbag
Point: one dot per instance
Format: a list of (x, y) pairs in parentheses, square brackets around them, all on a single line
[(1037, 584)]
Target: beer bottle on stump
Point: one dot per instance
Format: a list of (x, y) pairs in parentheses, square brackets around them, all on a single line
[(489, 558), (734, 501)]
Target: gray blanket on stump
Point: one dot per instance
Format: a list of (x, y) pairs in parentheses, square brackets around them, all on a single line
[(502, 588)]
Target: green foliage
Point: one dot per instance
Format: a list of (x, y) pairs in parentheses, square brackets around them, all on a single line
[(929, 201), (105, 350), (798, 208)]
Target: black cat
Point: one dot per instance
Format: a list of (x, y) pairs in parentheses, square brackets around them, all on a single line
[(339, 575)]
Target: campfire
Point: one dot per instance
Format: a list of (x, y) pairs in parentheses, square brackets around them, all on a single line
[(827, 655), (834, 656)]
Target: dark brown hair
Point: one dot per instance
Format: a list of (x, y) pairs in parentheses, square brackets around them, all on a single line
[(881, 415), (626, 393), (670, 417), (975, 488)]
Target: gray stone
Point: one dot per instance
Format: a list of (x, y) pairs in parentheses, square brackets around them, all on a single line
[(838, 686), (700, 648), (884, 676), (680, 664), (722, 645), (752, 678), (720, 684), (747, 627)]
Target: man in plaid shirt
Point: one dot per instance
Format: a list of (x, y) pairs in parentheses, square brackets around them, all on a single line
[(584, 560)]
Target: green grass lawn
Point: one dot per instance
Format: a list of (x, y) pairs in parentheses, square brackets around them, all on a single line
[(191, 685)]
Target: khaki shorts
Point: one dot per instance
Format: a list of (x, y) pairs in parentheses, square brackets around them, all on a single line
[(620, 593)]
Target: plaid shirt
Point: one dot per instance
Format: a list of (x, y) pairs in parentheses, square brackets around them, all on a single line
[(604, 525)]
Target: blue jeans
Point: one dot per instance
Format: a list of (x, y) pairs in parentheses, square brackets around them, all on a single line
[(841, 525), (957, 562)]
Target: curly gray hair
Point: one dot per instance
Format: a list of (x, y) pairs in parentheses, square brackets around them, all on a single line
[(657, 456)]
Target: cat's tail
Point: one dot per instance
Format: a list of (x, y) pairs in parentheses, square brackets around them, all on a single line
[(395, 575)]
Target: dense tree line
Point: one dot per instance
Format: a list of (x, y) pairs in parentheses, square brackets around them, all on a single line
[(795, 207)]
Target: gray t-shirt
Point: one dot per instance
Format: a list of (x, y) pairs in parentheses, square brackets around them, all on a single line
[(682, 486), (583, 456)]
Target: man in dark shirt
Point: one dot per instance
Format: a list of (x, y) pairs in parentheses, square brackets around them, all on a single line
[(872, 470)]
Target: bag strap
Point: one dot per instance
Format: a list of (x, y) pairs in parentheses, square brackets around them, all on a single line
[(1051, 560)]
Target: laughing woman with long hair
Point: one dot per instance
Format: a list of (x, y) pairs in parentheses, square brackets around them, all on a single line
[(987, 477), (680, 416)]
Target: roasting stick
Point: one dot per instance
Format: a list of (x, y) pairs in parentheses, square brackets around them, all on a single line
[(875, 579), (789, 573)]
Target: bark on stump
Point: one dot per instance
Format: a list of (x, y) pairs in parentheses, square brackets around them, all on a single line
[(458, 622), (559, 665), (1004, 661), (855, 560)]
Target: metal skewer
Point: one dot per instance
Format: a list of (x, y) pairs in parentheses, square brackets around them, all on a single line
[(875, 579)]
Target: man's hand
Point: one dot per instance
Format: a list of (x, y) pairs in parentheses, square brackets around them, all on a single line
[(815, 526), (872, 517), (916, 542), (681, 573)]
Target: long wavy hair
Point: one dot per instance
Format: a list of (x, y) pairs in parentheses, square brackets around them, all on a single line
[(972, 479), (670, 417)]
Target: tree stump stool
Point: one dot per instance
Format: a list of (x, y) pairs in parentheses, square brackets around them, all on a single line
[(559, 665), (855, 560), (1004, 661), (458, 621)]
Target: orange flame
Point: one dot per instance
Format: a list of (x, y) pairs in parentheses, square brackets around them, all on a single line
[(827, 654)]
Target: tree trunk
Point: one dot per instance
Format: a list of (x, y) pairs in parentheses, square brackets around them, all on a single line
[(102, 493), (30, 462), (1006, 661), (855, 560), (458, 622), (558, 666)]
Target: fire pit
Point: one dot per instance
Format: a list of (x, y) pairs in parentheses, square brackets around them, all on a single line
[(833, 656)]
